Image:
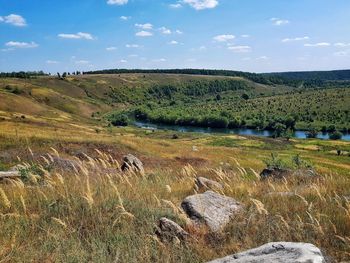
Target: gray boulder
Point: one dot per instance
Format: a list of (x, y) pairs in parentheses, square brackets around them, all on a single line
[(211, 209), (133, 163), (278, 252), (168, 230), (206, 184)]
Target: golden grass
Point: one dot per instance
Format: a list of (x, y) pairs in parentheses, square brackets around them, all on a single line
[(99, 214)]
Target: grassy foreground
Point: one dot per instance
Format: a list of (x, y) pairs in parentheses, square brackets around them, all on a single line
[(97, 214)]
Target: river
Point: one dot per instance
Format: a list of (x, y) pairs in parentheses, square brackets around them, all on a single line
[(251, 132)]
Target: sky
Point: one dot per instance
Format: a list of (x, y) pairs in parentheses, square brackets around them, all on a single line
[(245, 35)]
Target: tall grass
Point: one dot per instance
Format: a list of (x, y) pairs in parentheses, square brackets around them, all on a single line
[(98, 214)]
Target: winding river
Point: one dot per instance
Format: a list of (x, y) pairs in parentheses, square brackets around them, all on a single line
[(251, 132)]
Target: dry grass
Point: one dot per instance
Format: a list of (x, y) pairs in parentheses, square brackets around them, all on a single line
[(99, 214)]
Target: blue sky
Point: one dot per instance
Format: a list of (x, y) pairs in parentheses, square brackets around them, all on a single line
[(247, 35)]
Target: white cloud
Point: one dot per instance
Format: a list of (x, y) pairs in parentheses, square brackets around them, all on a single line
[(123, 61), (175, 6), (82, 62), (342, 44), (146, 26), (79, 35), (245, 36), (202, 48), (223, 38), (144, 34), (321, 44), (240, 49), (13, 19), (132, 46), (262, 58), (133, 55), (279, 22), (159, 60), (178, 32), (285, 40), (51, 62), (173, 42), (201, 4), (125, 18), (117, 2), (165, 31), (15, 44), (111, 48)]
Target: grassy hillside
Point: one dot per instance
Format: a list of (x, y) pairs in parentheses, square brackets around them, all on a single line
[(184, 99), (98, 214)]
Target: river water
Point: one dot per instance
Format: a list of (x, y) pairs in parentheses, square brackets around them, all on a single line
[(252, 132)]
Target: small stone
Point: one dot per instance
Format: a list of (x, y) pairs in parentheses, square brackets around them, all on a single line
[(133, 163), (168, 230), (207, 184)]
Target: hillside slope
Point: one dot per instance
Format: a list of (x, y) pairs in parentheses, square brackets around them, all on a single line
[(175, 99)]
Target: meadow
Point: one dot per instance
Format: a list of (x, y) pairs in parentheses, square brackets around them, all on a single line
[(97, 213)]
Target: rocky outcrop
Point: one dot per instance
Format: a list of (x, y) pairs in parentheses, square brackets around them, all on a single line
[(211, 209), (132, 163), (206, 184), (278, 252), (168, 230)]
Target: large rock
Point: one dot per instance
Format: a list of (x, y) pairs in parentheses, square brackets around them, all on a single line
[(206, 184), (133, 163), (278, 252), (212, 209), (168, 230)]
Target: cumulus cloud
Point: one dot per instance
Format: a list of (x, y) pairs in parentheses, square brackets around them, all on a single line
[(117, 2), (111, 48), (262, 58), (123, 61), (240, 49), (178, 32), (245, 36), (79, 35), (285, 40), (13, 19), (144, 34), (321, 44), (125, 18), (82, 62), (279, 22), (132, 46), (15, 44), (173, 42), (342, 44), (223, 38), (165, 31), (175, 6), (146, 26), (201, 4), (159, 60)]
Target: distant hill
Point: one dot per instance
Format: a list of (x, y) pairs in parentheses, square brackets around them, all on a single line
[(333, 75)]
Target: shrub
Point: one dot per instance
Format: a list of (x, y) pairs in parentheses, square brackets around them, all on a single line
[(335, 135), (119, 120)]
